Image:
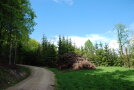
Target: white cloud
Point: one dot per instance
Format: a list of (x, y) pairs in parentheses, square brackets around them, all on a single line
[(114, 44), (132, 40), (79, 41), (96, 37), (69, 2)]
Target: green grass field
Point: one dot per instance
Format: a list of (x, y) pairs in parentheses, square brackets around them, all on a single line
[(103, 78)]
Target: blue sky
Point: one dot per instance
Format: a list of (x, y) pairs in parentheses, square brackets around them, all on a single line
[(81, 19)]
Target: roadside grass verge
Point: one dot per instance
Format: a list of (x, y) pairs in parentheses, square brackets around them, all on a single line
[(103, 78), (11, 76)]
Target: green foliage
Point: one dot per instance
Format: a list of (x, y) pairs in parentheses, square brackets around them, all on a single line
[(132, 59), (89, 50), (106, 57), (104, 78), (65, 45), (89, 46), (48, 53), (16, 23), (31, 45), (100, 55), (27, 52), (131, 44), (122, 35)]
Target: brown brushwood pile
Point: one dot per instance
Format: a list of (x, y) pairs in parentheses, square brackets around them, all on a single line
[(74, 61)]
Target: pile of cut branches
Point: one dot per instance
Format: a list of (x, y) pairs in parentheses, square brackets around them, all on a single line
[(74, 61)]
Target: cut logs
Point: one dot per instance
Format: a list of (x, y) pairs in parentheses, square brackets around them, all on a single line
[(74, 61)]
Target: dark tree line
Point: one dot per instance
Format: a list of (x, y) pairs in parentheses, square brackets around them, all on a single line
[(100, 54), (65, 45), (45, 53), (16, 23)]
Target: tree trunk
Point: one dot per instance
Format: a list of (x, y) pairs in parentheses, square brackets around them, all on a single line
[(10, 47), (15, 54), (10, 54), (127, 58)]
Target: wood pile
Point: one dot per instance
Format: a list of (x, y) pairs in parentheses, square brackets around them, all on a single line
[(74, 61)]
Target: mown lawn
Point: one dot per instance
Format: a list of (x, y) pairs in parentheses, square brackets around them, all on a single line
[(103, 78)]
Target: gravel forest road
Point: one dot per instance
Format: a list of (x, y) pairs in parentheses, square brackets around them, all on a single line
[(40, 79)]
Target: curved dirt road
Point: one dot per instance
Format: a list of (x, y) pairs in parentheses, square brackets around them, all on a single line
[(40, 79)]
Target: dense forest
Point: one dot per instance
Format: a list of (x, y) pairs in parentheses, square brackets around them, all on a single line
[(16, 47)]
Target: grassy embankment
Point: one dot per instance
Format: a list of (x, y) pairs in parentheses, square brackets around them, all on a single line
[(10, 76), (103, 78)]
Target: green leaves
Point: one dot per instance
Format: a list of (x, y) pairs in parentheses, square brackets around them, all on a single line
[(65, 45), (16, 23)]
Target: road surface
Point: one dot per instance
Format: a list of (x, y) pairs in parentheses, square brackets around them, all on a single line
[(40, 79)]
